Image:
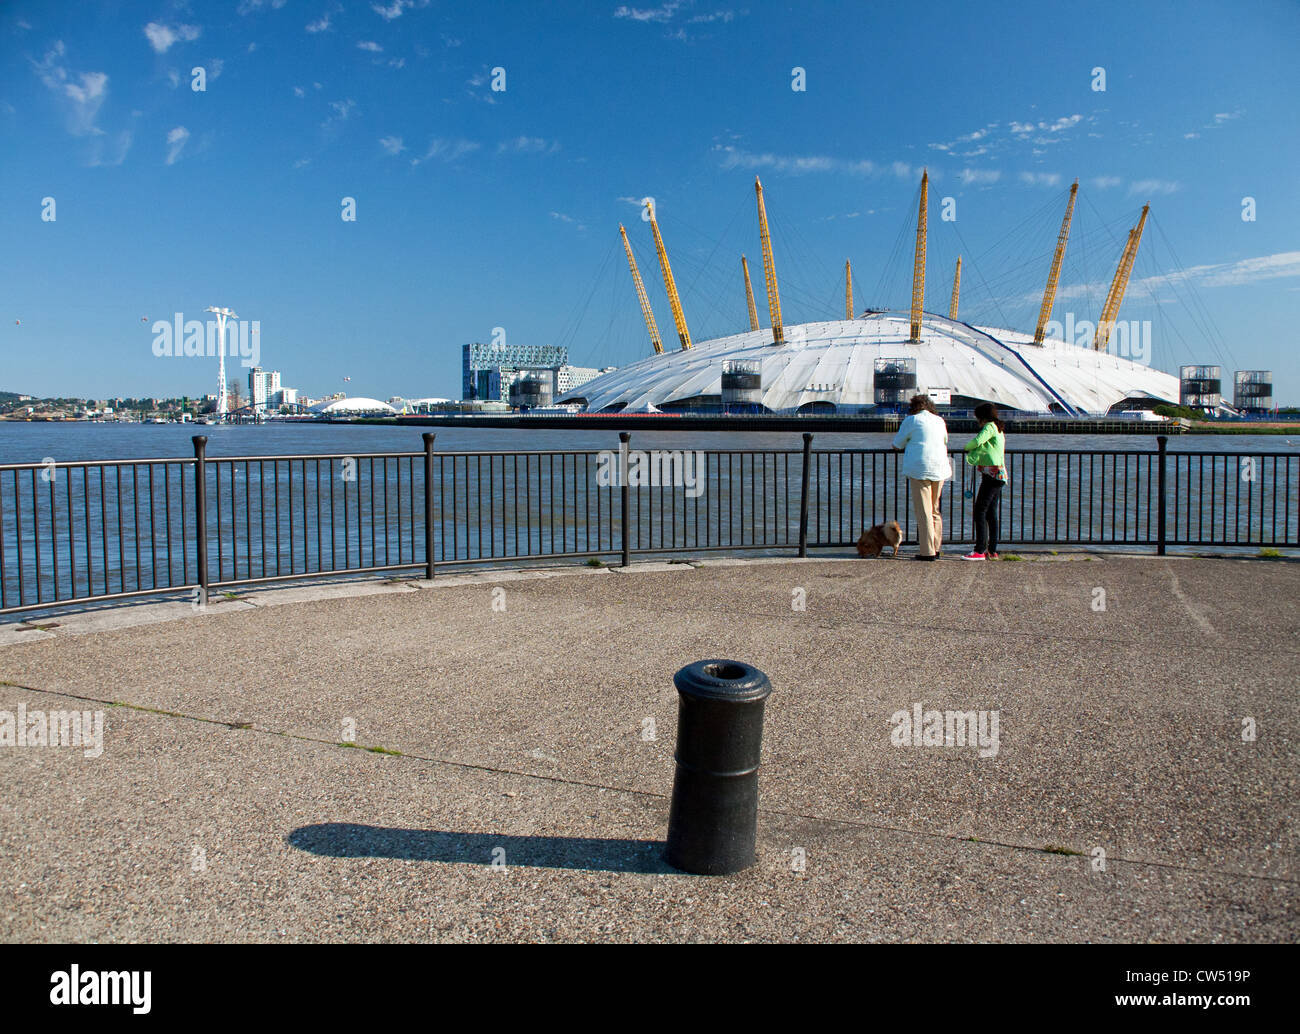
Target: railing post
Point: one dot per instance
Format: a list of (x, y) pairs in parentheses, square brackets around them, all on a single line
[(201, 512), (623, 438), (1163, 442), (428, 504), (803, 495)]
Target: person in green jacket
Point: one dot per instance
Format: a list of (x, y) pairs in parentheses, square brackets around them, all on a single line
[(984, 453)]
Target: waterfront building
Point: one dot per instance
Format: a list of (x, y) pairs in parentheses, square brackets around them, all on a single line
[(488, 370), (357, 406), (266, 392)]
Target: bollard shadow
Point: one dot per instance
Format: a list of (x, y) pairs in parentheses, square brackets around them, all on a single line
[(354, 840)]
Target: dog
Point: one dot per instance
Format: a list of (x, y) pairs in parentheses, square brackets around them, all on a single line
[(876, 538)]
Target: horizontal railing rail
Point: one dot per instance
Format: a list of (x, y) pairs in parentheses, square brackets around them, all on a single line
[(73, 532)]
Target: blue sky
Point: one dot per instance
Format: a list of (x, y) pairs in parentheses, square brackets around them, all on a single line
[(479, 209)]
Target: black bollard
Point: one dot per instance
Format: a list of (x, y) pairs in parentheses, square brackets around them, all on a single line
[(714, 814)]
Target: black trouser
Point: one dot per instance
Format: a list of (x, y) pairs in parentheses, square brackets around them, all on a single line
[(987, 501)]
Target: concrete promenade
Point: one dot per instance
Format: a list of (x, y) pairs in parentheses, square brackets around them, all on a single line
[(529, 718)]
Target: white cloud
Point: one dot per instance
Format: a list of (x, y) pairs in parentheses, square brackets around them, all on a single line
[(91, 88), (176, 140), (298, 91), (1153, 187), (394, 10), (528, 145), (1247, 271), (1218, 274), (1105, 182), (340, 111), (214, 68), (370, 45), (978, 177), (1068, 122), (161, 37), (1041, 179), (663, 13), (81, 93), (993, 135), (735, 158), (321, 24), (108, 151), (447, 150), (568, 219), (392, 144), (249, 6)]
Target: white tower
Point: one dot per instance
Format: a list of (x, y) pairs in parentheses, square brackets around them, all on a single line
[(222, 316)]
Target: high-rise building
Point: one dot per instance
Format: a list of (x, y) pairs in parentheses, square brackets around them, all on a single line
[(266, 392), (488, 370)]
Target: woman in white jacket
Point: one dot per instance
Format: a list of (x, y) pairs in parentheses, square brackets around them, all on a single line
[(923, 437)]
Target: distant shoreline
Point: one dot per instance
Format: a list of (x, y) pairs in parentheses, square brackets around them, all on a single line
[(663, 422)]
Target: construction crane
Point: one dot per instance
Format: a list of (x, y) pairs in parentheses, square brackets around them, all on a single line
[(848, 290), (769, 269), (1054, 275), (679, 318), (1120, 284), (749, 295), (918, 268), (646, 311), (956, 291)]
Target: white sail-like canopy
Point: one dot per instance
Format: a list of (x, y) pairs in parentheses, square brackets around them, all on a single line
[(834, 362), (351, 406)]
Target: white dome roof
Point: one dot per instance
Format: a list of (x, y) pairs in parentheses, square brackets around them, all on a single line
[(835, 362), (352, 405)]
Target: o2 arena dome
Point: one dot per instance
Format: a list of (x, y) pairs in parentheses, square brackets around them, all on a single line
[(832, 367), (880, 359)]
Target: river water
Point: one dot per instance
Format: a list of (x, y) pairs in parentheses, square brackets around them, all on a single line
[(80, 441), (79, 531)]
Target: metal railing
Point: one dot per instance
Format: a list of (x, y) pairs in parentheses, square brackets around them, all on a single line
[(77, 532)]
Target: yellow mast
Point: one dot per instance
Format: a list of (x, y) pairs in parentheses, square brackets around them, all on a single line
[(1110, 291), (646, 311), (769, 269), (956, 291), (679, 318), (1054, 275), (1120, 284), (749, 295), (918, 268), (848, 290)]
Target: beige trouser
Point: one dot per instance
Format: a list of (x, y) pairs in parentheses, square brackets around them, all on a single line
[(929, 521)]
